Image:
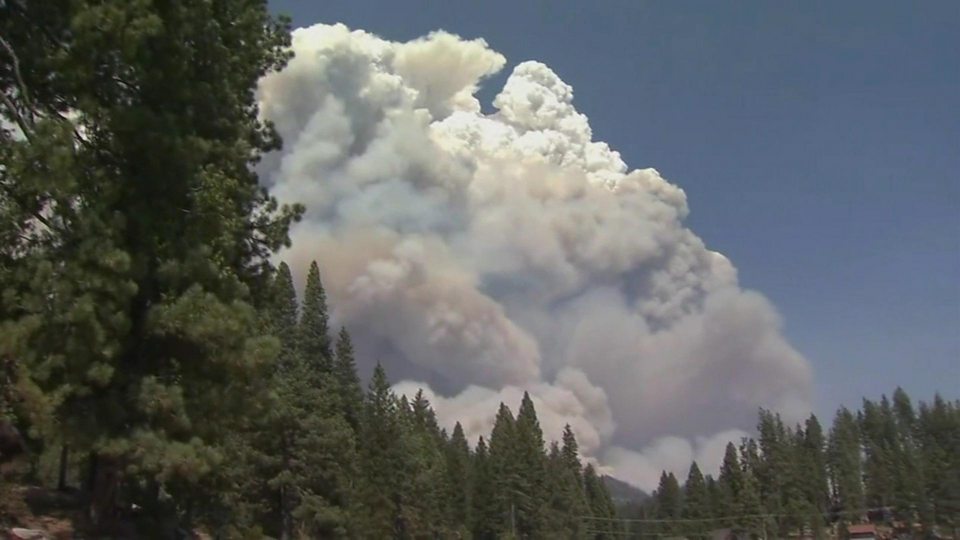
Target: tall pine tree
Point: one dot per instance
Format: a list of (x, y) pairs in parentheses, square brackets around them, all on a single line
[(381, 460), (315, 343), (347, 380), (133, 229), (531, 467), (696, 504)]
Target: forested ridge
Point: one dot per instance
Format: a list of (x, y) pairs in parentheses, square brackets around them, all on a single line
[(159, 368), (890, 463)]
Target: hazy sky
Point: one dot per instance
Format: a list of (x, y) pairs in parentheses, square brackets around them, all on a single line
[(818, 144)]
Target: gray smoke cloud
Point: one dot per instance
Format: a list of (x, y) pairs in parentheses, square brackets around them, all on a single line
[(481, 255)]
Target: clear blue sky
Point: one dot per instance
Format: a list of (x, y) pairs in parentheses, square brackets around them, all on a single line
[(818, 143)]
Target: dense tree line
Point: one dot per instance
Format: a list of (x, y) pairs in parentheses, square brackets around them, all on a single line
[(309, 454), (890, 463), (326, 459), (154, 358)]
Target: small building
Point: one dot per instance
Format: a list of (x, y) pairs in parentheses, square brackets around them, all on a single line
[(862, 531)]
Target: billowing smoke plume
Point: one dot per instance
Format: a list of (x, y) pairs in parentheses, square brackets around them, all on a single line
[(479, 255)]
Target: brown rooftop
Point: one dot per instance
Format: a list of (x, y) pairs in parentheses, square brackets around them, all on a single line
[(862, 528)]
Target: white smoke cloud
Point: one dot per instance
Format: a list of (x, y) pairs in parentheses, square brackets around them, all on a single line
[(484, 255), (571, 399), (671, 454)]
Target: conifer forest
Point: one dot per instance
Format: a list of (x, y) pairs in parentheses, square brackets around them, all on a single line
[(161, 377)]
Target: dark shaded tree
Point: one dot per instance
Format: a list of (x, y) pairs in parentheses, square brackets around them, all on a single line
[(315, 343)]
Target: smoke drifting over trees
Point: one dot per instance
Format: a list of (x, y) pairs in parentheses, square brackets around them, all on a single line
[(484, 254)]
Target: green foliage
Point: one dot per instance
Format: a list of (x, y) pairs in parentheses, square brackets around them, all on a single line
[(380, 461), (314, 329), (600, 505), (696, 503), (531, 463), (347, 381), (459, 484), (668, 501), (484, 512), (844, 465), (890, 462), (135, 228)]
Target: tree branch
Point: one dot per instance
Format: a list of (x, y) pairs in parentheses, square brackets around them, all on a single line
[(26, 126), (16, 72)]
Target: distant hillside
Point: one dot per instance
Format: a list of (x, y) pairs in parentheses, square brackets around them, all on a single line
[(623, 493)]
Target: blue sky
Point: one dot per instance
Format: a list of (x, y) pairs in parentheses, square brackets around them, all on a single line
[(818, 143)]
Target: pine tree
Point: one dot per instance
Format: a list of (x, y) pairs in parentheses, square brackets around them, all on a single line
[(878, 436), (602, 510), (909, 499), (844, 466), (772, 475), (730, 484), (570, 454), (751, 503), (568, 503), (939, 433), (504, 470), (797, 507), (282, 316), (669, 504), (423, 506), (716, 497), (133, 228), (347, 380), (380, 461), (529, 447), (311, 446), (459, 484), (816, 490), (752, 506), (484, 511), (696, 503), (314, 324)]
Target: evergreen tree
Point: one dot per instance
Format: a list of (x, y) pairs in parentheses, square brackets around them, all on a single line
[(380, 461), (459, 482), (696, 504), (314, 324), (570, 454), (797, 507), (310, 444), (567, 510), (813, 458), (909, 498), (504, 469), (731, 485), (844, 466), (282, 317), (560, 517), (775, 467), (531, 466), (347, 380), (715, 496), (133, 228), (938, 426), (752, 506), (484, 511), (425, 506), (601, 506), (669, 504), (878, 436), (423, 503)]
